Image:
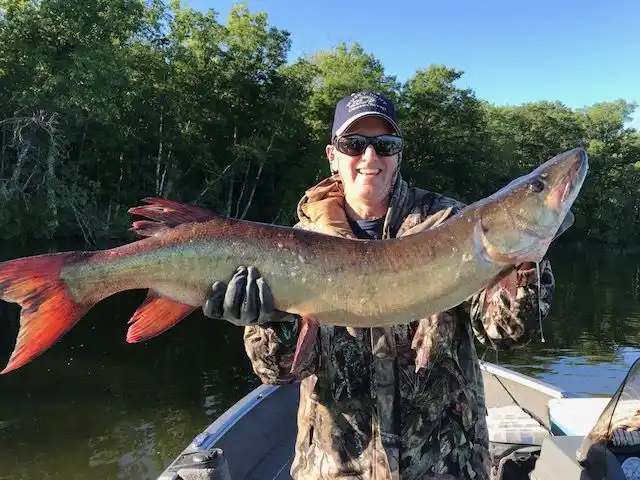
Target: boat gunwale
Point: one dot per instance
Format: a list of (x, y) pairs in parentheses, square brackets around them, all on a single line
[(215, 431), (221, 425), (526, 380)]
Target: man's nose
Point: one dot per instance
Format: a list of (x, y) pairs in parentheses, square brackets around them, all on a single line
[(369, 153)]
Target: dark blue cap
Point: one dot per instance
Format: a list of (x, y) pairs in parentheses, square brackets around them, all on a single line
[(361, 104)]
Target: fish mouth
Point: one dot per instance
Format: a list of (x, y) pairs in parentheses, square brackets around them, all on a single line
[(563, 195), (561, 198)]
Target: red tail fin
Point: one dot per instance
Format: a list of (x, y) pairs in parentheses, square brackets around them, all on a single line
[(48, 308)]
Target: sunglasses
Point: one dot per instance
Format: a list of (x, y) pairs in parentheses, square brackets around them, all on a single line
[(384, 145)]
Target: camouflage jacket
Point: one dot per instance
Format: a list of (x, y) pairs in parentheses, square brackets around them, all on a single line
[(365, 410)]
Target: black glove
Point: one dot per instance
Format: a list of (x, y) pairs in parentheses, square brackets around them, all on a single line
[(247, 300)]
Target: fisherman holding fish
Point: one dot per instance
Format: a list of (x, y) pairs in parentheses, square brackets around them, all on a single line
[(405, 401)]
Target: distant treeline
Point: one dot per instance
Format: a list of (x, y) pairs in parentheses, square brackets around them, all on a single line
[(103, 103)]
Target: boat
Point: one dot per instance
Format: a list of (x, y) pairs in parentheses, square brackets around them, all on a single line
[(600, 436), (533, 429)]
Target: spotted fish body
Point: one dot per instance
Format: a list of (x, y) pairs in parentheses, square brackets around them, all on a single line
[(325, 279)]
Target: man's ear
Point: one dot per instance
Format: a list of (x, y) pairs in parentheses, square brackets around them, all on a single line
[(333, 161)]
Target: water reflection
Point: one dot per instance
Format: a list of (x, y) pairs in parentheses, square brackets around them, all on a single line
[(94, 406), (593, 334)]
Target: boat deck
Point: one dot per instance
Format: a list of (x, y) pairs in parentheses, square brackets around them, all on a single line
[(501, 390), (268, 418)]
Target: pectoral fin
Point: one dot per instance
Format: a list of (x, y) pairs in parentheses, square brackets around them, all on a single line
[(504, 284), (568, 221)]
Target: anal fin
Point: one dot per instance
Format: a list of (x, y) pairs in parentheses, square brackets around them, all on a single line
[(156, 315)]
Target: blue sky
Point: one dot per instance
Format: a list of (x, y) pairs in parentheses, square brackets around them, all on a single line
[(577, 52)]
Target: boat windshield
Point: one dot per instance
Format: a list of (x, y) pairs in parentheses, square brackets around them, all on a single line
[(617, 431), (621, 416)]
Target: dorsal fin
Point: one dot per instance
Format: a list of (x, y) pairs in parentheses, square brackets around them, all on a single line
[(166, 214)]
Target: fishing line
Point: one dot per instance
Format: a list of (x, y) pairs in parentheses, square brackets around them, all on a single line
[(524, 409), (539, 301)]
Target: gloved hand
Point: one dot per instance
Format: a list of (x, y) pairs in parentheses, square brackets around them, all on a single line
[(247, 300)]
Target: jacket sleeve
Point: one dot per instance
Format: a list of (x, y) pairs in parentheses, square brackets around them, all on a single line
[(508, 315), (271, 347), (504, 320)]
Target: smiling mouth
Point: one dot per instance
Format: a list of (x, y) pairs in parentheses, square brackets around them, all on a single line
[(369, 171)]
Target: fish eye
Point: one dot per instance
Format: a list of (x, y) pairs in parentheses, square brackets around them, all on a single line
[(536, 186)]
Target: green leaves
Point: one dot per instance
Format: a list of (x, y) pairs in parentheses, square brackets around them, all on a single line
[(154, 98), (447, 147), (337, 73)]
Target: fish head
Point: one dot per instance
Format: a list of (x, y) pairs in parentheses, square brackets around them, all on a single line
[(519, 222)]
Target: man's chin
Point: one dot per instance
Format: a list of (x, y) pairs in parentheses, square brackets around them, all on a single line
[(370, 192), (367, 182)]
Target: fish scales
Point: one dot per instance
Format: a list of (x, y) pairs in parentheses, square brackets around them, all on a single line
[(323, 278), (426, 270)]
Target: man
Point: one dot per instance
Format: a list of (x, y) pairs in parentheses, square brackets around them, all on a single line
[(381, 403)]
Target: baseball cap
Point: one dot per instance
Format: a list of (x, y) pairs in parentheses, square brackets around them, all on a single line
[(361, 104)]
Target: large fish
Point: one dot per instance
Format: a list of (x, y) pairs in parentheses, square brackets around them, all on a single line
[(326, 279)]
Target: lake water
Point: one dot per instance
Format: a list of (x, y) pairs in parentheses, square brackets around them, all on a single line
[(95, 407)]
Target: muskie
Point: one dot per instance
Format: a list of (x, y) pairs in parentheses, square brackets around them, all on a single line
[(325, 279)]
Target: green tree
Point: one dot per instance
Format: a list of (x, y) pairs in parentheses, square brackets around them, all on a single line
[(104, 103), (448, 149)]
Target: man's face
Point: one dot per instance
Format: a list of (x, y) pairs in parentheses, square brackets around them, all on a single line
[(367, 176)]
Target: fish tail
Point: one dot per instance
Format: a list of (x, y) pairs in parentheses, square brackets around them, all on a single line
[(48, 308)]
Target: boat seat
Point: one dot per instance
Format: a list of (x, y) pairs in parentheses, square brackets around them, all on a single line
[(511, 424), (575, 416)]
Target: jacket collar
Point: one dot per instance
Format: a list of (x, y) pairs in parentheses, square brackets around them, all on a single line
[(322, 207)]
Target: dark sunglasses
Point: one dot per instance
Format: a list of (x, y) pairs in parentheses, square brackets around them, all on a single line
[(355, 144)]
